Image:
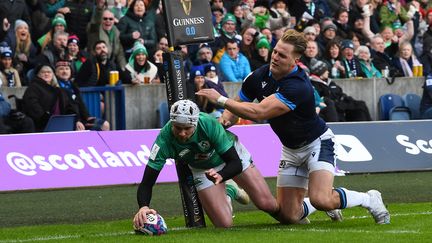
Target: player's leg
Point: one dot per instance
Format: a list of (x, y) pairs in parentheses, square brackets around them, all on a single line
[(254, 184), (217, 205), (291, 204), (321, 192)]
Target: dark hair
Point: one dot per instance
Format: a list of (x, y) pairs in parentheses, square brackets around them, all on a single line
[(231, 42), (339, 12), (331, 43), (97, 43)]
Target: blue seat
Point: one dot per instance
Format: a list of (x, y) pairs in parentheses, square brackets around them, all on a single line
[(427, 114), (61, 123), (400, 113), (412, 101), (163, 114), (386, 103)]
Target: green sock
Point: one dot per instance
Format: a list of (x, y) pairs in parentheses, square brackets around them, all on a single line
[(231, 191)]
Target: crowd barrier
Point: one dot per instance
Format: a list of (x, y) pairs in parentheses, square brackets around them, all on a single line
[(30, 161), (141, 102)]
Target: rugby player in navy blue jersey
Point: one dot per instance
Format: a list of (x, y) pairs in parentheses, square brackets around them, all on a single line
[(286, 100)]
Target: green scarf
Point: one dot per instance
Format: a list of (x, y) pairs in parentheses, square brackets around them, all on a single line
[(261, 20)]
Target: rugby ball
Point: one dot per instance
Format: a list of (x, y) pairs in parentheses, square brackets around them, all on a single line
[(155, 225)]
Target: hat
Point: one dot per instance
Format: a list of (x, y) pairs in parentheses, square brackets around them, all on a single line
[(318, 67), (310, 29), (346, 44), (40, 66), (209, 68), (58, 20), (262, 3), (138, 48), (396, 25), (19, 23), (61, 63), (229, 17), (196, 71), (73, 39), (263, 42), (329, 26), (6, 53)]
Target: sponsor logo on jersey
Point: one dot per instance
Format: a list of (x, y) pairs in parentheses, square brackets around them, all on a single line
[(184, 152), (263, 84), (154, 151), (204, 145)]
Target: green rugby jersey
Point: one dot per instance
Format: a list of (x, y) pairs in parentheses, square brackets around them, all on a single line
[(201, 151)]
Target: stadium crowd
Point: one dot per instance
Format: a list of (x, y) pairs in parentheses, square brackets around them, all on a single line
[(346, 39)]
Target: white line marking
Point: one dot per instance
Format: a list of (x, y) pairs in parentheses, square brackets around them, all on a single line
[(64, 237)]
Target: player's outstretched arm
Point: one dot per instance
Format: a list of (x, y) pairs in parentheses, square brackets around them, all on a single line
[(268, 108), (227, 119)]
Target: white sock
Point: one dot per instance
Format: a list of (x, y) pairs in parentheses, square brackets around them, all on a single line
[(354, 198), (308, 209)]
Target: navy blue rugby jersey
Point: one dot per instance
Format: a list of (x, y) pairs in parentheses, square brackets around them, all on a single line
[(301, 125)]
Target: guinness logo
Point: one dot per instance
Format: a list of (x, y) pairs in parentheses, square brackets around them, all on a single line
[(187, 6)]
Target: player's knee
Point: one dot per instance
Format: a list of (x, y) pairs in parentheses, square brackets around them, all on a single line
[(268, 205), (322, 202)]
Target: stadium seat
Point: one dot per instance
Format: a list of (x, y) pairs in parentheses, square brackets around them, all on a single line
[(163, 114), (386, 103), (412, 101), (61, 123), (399, 113)]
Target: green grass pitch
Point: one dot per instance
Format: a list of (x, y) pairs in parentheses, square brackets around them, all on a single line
[(104, 215)]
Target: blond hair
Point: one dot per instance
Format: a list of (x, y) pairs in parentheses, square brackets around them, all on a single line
[(295, 38)]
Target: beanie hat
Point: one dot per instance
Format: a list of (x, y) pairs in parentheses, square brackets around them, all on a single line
[(229, 17), (40, 66), (196, 71), (138, 48), (318, 67), (329, 26), (347, 44), (209, 67), (6, 53), (58, 20), (19, 23), (263, 42), (262, 3), (310, 29), (73, 39)]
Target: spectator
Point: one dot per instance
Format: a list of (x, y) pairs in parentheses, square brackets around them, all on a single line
[(263, 55), (201, 82), (210, 73), (52, 6), (95, 71), (238, 13), (226, 33), (138, 23), (234, 65), (366, 64), (13, 121), (56, 50), (328, 33), (350, 62), (78, 14), (102, 27), (163, 44), (218, 15), (279, 15), (14, 10), (381, 59), (57, 24), (426, 100), (392, 12), (139, 69), (310, 53), (63, 73), (260, 15), (310, 33), (9, 76), (43, 98), (407, 60), (332, 56), (342, 23), (248, 43), (23, 50), (76, 56), (319, 76)]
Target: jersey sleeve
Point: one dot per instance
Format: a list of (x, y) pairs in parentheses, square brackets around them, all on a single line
[(247, 92), (159, 153)]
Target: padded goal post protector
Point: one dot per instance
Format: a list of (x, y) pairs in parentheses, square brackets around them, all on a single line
[(188, 21), (175, 81)]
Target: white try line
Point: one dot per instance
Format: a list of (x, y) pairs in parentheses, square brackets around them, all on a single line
[(65, 237)]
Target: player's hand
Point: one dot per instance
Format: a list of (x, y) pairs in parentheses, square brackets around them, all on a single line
[(211, 94), (212, 175), (141, 217), (225, 122)]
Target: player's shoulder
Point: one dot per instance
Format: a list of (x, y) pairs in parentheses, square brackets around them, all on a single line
[(206, 120), (259, 74)]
